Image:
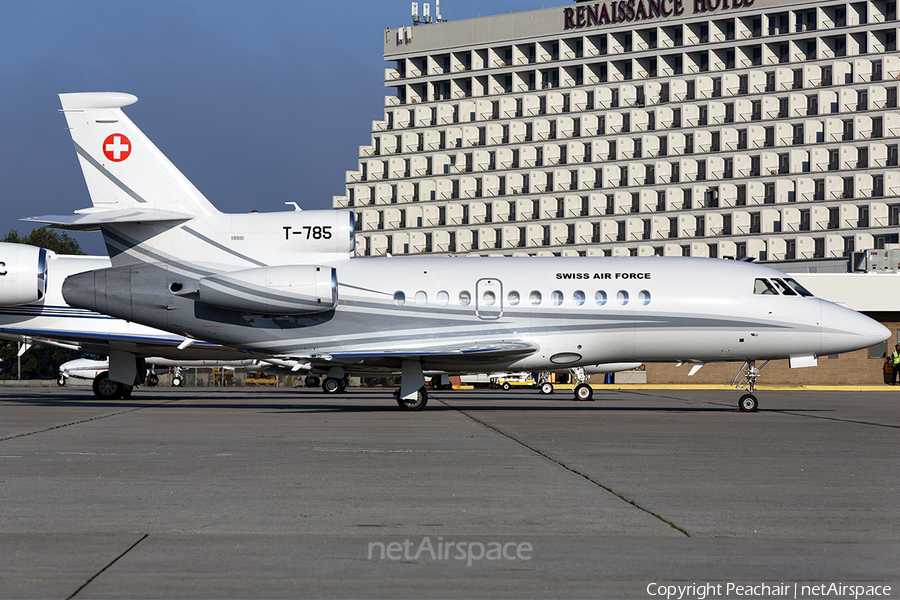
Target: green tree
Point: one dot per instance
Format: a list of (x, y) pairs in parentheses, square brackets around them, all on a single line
[(44, 237), (39, 362)]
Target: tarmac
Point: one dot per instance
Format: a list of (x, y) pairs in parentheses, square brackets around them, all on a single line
[(278, 493)]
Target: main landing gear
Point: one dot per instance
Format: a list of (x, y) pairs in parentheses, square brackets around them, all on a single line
[(107, 389), (748, 375), (333, 385), (416, 403)]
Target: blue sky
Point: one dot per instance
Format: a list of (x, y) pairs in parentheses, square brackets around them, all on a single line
[(258, 103)]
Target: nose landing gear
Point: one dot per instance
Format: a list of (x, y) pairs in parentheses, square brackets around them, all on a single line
[(583, 391), (748, 375)]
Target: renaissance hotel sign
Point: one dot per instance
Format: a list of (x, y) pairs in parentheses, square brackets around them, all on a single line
[(626, 11)]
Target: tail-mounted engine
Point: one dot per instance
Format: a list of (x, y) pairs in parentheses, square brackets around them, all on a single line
[(283, 290)]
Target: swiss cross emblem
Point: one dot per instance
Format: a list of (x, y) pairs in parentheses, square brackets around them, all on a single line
[(116, 147)]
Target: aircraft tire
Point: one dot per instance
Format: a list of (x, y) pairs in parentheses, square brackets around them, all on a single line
[(546, 388), (105, 388), (506, 386), (417, 404), (176, 381), (153, 380), (61, 381), (584, 392), (311, 381), (332, 385), (748, 403)]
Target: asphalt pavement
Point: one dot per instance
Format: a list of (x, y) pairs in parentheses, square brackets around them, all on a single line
[(276, 493)]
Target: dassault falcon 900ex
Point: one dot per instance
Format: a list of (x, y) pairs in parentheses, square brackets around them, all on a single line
[(285, 284)]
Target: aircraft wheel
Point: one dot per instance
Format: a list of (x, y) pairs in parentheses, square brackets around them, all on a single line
[(417, 404), (546, 388), (506, 386), (311, 381), (61, 381), (153, 380), (331, 385), (584, 392), (176, 381), (105, 388), (748, 403)]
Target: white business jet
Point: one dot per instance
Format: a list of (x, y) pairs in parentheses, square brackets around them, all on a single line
[(33, 311), (285, 284)]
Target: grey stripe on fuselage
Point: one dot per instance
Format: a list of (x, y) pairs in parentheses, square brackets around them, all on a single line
[(127, 243), (413, 330), (170, 261), (224, 248)]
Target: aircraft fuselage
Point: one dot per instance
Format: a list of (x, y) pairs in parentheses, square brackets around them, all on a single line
[(563, 312)]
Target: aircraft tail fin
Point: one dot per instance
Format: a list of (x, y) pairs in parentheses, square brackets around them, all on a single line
[(121, 166)]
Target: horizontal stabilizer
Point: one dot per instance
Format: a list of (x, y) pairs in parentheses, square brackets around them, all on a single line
[(93, 220)]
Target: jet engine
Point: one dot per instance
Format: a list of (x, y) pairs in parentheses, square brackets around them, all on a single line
[(281, 290), (23, 274)]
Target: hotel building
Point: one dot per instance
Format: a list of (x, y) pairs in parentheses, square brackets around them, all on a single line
[(712, 128)]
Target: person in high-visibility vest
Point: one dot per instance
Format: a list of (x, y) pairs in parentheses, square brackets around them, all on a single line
[(895, 358)]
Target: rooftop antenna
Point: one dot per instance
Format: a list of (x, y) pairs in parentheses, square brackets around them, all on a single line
[(426, 12), (415, 13), (437, 11)]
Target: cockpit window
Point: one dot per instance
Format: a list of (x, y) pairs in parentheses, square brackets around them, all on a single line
[(783, 287), (762, 286), (797, 287)]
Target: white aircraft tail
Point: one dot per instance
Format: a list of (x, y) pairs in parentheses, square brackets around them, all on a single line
[(122, 167), (149, 212)]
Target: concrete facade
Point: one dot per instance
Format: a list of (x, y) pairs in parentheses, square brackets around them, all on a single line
[(767, 130)]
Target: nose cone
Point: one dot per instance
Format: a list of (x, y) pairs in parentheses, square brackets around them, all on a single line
[(845, 330)]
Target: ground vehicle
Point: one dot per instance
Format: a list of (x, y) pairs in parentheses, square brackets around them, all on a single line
[(509, 380)]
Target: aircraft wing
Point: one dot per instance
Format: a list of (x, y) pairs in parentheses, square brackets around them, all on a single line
[(91, 221), (487, 351), (102, 343)]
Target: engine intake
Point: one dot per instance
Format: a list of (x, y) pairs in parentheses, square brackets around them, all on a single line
[(23, 274), (282, 290)]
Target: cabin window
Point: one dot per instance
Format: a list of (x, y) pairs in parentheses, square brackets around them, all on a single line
[(513, 298), (421, 298), (535, 298), (488, 299), (578, 298), (600, 298), (443, 298), (762, 286), (644, 297), (399, 298), (465, 298), (622, 297), (556, 297), (797, 287)]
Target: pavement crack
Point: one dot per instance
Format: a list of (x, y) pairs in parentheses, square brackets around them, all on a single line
[(100, 572), (570, 469), (97, 418)]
